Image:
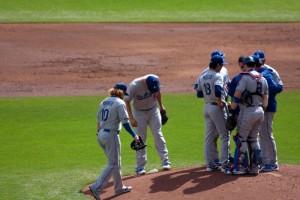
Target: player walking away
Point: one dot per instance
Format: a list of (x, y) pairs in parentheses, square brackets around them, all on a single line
[(251, 95), (145, 93), (111, 114), (226, 82), (210, 86), (266, 137)]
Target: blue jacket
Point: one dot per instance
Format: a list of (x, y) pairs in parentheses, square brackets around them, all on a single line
[(274, 88)]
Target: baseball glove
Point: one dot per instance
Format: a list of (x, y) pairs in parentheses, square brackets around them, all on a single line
[(231, 121), (164, 117), (138, 146)]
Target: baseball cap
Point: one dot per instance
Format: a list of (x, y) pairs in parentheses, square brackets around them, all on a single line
[(121, 86), (256, 59), (218, 60), (260, 54), (218, 52), (249, 59), (152, 84)]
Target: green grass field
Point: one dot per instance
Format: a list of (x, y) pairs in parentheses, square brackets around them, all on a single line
[(15, 11), (49, 148)]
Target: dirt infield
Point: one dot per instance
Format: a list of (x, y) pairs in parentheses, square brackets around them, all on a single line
[(87, 59), (197, 183)]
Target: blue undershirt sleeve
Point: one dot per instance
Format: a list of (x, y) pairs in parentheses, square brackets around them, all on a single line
[(218, 90), (129, 129)]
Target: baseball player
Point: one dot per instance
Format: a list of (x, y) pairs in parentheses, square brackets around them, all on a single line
[(251, 95), (146, 96), (226, 82), (231, 91), (266, 137), (111, 114), (210, 86)]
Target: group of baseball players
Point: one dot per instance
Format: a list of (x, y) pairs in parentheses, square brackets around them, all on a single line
[(253, 104)]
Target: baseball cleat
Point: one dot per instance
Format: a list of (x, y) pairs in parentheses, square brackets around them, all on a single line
[(232, 171), (275, 167), (211, 169), (166, 166), (235, 172), (217, 162), (266, 168), (141, 172), (94, 193), (127, 189), (225, 168)]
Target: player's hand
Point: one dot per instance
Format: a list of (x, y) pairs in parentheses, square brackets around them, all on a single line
[(136, 139), (133, 122)]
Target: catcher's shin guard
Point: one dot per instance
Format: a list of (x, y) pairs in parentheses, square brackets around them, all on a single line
[(257, 157), (240, 158)]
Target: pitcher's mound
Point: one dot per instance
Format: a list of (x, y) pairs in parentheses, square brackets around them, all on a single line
[(197, 183)]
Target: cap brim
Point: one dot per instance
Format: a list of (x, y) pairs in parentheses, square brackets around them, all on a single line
[(225, 63)]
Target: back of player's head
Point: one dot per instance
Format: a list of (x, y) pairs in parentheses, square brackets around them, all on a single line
[(249, 61), (153, 84), (119, 90), (260, 54), (218, 52), (215, 60)]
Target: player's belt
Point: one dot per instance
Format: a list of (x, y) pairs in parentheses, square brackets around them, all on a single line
[(108, 130), (145, 109), (214, 103)]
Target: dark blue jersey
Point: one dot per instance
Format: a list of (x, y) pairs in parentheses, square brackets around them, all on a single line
[(274, 88)]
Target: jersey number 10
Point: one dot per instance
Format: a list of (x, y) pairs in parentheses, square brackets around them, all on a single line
[(105, 113)]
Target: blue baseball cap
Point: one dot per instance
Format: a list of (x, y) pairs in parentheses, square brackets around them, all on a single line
[(218, 52), (218, 60), (260, 54), (249, 59), (121, 86), (152, 84), (256, 59)]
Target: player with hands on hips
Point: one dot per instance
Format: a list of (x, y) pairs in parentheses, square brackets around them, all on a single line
[(146, 96), (266, 136), (251, 95), (210, 86), (111, 114)]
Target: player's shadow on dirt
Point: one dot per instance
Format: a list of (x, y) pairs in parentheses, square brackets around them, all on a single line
[(200, 179)]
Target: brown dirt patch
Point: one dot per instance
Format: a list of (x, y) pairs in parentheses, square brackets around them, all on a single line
[(87, 59), (197, 183)]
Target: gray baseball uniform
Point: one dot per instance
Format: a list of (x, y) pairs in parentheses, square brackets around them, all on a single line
[(214, 117), (226, 81), (266, 137), (146, 112), (111, 115), (251, 114)]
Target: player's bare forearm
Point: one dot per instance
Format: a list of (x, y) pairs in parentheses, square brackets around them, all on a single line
[(133, 122), (159, 99)]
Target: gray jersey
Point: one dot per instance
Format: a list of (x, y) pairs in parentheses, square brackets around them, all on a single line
[(276, 76), (254, 83), (112, 111), (226, 81), (142, 99), (207, 82)]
